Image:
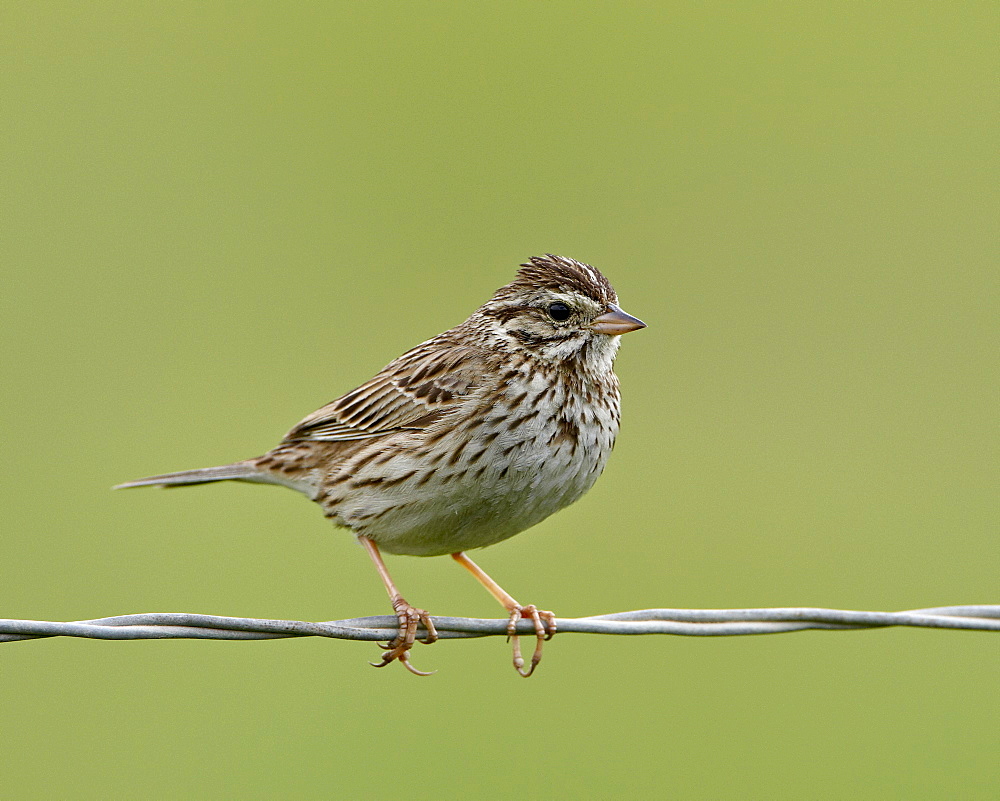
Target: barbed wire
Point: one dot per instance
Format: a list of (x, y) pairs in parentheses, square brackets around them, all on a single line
[(684, 622)]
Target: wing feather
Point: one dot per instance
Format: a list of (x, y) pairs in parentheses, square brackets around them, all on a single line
[(411, 393)]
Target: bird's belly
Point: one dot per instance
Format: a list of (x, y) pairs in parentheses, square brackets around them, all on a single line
[(481, 497)]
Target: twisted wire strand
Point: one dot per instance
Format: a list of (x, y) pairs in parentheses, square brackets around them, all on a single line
[(685, 622)]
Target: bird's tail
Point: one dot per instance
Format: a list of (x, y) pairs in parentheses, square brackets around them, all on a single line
[(237, 471)]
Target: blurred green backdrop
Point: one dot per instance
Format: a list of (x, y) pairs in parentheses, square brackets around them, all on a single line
[(217, 216)]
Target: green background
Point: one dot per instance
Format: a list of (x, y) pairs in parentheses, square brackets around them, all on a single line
[(218, 216)]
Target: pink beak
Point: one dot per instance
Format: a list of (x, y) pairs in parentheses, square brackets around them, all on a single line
[(616, 322)]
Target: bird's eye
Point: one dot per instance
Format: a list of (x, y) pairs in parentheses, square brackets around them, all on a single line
[(559, 312)]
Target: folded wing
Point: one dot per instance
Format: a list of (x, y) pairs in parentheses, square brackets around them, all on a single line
[(411, 393)]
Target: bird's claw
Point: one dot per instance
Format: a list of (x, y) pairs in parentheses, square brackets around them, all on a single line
[(543, 631), (398, 649)]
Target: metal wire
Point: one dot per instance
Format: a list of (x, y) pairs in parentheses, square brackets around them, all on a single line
[(688, 622)]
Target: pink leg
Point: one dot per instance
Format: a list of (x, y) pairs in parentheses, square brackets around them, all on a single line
[(409, 617), (543, 631)]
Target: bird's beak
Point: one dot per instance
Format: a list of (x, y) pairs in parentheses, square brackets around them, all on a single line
[(616, 322)]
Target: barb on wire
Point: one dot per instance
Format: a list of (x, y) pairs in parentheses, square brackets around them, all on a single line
[(690, 622)]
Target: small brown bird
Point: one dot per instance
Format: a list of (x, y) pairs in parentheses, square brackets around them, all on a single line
[(465, 440)]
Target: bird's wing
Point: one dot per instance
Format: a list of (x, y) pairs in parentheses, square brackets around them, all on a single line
[(410, 393)]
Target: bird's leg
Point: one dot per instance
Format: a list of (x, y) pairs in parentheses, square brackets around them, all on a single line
[(409, 617), (543, 630)]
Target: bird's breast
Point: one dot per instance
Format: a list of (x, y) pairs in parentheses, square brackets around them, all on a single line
[(505, 466)]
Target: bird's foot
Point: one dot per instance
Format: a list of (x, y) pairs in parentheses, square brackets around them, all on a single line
[(543, 631), (398, 650)]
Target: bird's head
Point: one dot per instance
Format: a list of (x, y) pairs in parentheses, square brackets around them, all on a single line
[(557, 309)]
